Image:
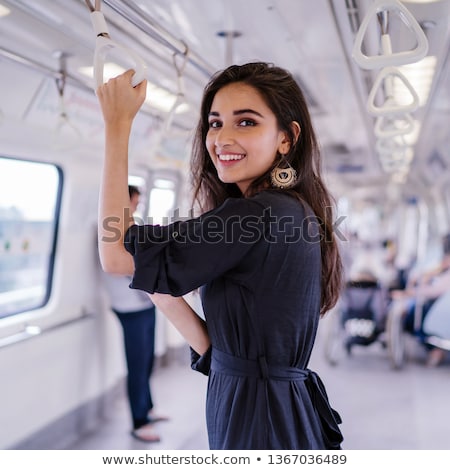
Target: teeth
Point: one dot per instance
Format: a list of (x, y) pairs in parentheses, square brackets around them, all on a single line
[(231, 157)]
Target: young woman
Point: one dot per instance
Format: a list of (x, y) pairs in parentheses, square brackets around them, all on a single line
[(263, 252)]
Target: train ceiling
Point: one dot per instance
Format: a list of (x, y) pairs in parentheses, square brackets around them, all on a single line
[(185, 41)]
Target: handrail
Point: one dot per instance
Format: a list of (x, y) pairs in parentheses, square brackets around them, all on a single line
[(31, 331), (144, 22), (422, 242), (387, 57), (47, 71), (37, 66)]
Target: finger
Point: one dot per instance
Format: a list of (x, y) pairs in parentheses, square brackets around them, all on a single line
[(141, 85), (99, 90), (129, 74)]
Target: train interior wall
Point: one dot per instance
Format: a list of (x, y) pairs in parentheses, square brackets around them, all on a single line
[(68, 370)]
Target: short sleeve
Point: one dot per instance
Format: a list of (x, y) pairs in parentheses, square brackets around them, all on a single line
[(178, 258), (201, 363)]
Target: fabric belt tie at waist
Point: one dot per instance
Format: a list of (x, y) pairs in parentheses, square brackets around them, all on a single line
[(237, 366)]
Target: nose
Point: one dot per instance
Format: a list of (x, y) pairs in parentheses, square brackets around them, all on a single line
[(224, 136)]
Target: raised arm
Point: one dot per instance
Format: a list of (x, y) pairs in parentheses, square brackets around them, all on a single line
[(120, 103), (185, 320)]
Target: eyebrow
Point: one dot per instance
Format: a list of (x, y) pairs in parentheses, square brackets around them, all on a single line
[(238, 112)]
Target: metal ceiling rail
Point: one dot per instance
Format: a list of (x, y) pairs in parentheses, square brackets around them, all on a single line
[(48, 71), (32, 64), (143, 21)]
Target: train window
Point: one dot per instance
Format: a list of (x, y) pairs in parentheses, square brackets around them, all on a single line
[(29, 205), (140, 183), (162, 199)]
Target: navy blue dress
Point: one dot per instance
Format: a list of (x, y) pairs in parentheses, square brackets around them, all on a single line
[(258, 262)]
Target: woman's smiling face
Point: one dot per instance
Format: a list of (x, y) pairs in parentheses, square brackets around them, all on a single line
[(243, 136)]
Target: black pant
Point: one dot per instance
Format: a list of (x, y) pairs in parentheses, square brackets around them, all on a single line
[(409, 321), (139, 338)]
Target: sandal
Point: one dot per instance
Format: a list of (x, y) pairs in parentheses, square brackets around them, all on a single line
[(154, 418), (435, 357), (145, 434)]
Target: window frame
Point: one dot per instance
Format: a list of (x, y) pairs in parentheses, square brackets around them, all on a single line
[(53, 243)]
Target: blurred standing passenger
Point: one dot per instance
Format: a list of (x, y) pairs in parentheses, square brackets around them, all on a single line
[(136, 314)]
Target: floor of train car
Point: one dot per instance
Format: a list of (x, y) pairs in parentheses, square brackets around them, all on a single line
[(382, 408)]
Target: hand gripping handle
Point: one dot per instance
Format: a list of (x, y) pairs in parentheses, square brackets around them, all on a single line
[(104, 45)]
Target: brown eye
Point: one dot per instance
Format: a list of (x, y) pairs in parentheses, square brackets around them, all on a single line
[(247, 123)]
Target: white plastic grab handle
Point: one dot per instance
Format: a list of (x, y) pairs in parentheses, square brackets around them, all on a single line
[(391, 126), (387, 57), (391, 146), (391, 106), (104, 45), (395, 166), (398, 162)]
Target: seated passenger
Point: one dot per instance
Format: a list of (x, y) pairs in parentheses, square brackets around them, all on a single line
[(436, 327), (364, 307), (425, 290)]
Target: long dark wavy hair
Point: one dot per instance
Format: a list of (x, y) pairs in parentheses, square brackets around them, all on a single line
[(282, 94)]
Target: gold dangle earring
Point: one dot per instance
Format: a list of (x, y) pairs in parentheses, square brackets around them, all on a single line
[(283, 178)]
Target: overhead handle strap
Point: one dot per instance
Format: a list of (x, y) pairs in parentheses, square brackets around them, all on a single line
[(179, 61), (393, 166), (93, 7), (398, 162), (390, 105), (63, 121), (104, 45), (391, 126), (387, 57), (391, 145)]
